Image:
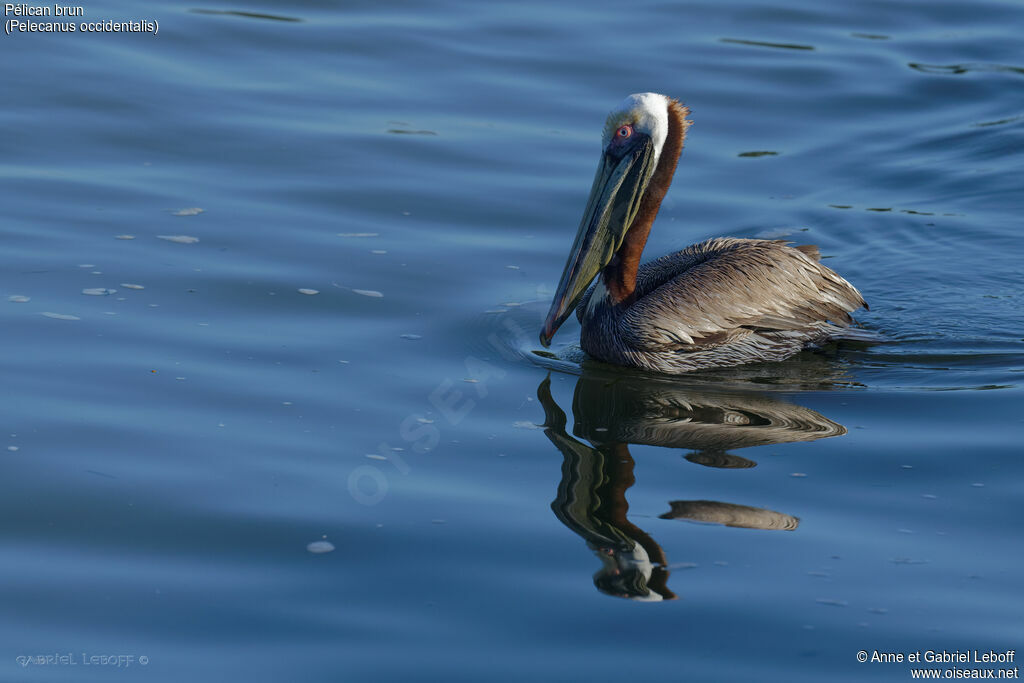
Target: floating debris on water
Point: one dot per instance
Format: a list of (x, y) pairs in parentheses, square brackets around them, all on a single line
[(512, 267), (412, 337), (358, 234), (526, 424), (368, 292), (375, 456), (86, 265), (59, 316), (308, 292), (128, 285), (124, 237), (12, 448), (798, 475), (378, 251), (178, 239), (19, 299), (98, 291), (193, 211), (320, 547), (470, 380)]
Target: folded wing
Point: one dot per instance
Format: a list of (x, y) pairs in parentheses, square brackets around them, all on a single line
[(722, 290)]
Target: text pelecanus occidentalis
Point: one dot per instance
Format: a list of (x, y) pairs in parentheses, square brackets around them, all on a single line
[(718, 303)]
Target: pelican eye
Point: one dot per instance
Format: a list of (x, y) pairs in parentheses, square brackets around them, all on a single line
[(624, 132)]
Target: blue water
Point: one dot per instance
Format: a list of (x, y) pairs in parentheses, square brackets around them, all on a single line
[(180, 422)]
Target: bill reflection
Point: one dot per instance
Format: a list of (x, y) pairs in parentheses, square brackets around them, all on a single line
[(612, 412)]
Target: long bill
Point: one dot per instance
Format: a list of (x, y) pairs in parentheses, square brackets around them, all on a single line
[(613, 204)]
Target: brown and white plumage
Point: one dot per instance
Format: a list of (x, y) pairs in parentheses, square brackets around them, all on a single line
[(719, 303)]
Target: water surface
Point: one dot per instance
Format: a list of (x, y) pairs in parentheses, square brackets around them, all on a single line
[(380, 200)]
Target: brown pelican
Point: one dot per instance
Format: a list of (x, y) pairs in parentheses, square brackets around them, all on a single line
[(718, 303)]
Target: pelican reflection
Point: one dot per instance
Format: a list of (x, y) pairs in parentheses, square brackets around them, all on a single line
[(613, 411)]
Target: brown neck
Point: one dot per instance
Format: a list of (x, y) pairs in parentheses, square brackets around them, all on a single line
[(620, 274)]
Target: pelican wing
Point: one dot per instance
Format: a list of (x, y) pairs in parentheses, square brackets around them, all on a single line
[(721, 290)]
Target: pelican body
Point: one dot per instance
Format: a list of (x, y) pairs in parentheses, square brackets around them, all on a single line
[(718, 303)]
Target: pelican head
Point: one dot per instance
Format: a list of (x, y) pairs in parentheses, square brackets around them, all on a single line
[(633, 139)]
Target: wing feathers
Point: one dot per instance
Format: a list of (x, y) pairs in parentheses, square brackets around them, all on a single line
[(716, 291)]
